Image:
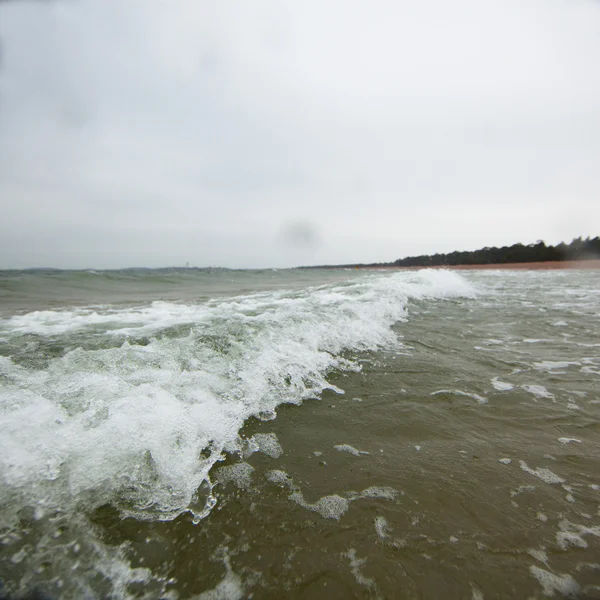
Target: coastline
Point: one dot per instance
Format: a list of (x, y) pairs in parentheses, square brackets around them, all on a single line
[(548, 265)]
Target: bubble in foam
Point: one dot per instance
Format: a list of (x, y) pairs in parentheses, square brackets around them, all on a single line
[(239, 474), (279, 477), (330, 507), (267, 443)]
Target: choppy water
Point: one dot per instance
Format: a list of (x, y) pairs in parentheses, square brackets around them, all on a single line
[(301, 434)]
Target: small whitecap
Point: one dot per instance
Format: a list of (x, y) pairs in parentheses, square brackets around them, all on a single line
[(538, 391), (501, 386), (546, 475), (551, 583), (480, 399), (350, 449), (382, 527), (538, 554), (386, 493)]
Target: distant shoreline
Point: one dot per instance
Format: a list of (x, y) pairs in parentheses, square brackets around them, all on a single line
[(531, 266)]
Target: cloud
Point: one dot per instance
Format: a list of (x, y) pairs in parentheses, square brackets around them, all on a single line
[(156, 133)]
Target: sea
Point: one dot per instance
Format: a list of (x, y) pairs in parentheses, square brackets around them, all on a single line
[(213, 434)]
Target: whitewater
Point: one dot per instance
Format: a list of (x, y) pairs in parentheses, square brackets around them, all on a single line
[(145, 419)]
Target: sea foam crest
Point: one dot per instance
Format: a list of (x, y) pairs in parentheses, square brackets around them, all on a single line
[(140, 403)]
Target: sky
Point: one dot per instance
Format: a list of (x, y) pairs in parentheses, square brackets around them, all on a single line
[(279, 133)]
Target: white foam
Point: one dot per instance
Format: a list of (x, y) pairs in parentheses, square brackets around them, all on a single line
[(538, 554), (229, 588), (329, 507), (505, 461), (239, 474), (356, 565), (571, 534), (476, 593), (480, 399), (521, 489), (133, 407), (279, 477), (382, 527), (538, 391), (552, 366), (332, 506), (546, 475), (501, 386), (349, 449), (384, 492), (563, 584), (268, 444), (566, 440), (125, 424)]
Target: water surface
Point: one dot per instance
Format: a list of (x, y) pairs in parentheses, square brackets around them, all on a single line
[(302, 434)]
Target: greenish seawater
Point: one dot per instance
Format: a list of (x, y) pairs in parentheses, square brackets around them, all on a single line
[(300, 434)]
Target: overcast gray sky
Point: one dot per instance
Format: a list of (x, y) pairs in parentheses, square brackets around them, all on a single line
[(278, 133)]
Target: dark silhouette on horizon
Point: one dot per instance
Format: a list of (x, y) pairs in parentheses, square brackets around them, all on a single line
[(578, 249)]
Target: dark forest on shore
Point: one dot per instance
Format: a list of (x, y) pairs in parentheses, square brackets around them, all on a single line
[(578, 249)]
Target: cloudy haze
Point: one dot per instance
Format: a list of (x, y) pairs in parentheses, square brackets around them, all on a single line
[(278, 133)]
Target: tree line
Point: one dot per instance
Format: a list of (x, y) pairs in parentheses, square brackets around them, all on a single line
[(578, 249)]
